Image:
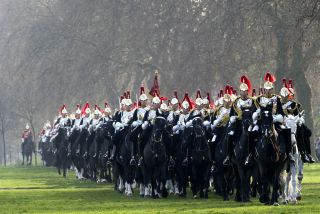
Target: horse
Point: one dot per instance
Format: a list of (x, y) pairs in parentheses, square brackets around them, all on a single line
[(270, 157), (27, 148), (181, 172), (201, 160), (291, 191), (45, 149), (60, 142), (241, 143), (155, 167), (105, 132), (224, 174)]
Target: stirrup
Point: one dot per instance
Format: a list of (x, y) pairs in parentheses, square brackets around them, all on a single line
[(140, 163), (226, 161), (132, 162)]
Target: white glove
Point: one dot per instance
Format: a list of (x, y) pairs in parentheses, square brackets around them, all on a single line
[(22, 139), (206, 123), (189, 123), (215, 123), (278, 118), (145, 125), (175, 128), (233, 119), (255, 115), (179, 123), (119, 126), (214, 138), (135, 124)]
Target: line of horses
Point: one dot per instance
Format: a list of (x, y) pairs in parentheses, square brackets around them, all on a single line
[(270, 176)]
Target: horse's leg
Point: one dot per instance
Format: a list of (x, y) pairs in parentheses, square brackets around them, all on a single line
[(300, 177), (274, 199)]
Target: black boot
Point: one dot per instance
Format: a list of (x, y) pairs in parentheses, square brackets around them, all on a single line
[(171, 163), (311, 159), (252, 145), (113, 153), (286, 133), (227, 160), (133, 160), (140, 151), (304, 157)]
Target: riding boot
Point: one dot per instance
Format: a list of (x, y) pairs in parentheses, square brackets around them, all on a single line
[(286, 133), (251, 147), (307, 135), (227, 161), (301, 144), (133, 160), (113, 152), (140, 151)]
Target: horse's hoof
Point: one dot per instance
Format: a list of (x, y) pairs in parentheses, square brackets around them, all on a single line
[(294, 202), (299, 198), (195, 196), (276, 204)]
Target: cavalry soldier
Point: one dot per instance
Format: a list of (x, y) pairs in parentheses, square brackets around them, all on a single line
[(75, 124), (63, 119), (147, 125), (86, 117), (240, 104), (27, 133), (267, 99), (196, 112), (219, 123), (291, 107), (106, 114), (95, 120), (137, 119), (121, 126)]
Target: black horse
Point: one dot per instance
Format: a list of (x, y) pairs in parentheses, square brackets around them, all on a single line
[(60, 142), (201, 160), (155, 168), (46, 151), (270, 156), (241, 141), (105, 132), (27, 148), (223, 175)]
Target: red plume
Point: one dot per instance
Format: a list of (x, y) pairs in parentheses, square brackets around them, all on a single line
[(246, 80), (128, 95), (106, 105), (121, 97), (290, 83), (125, 95), (78, 106), (198, 94), (284, 82), (63, 106), (141, 90), (269, 77), (228, 90), (186, 98), (208, 97), (83, 111)]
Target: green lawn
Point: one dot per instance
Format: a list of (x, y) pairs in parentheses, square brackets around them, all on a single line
[(41, 190)]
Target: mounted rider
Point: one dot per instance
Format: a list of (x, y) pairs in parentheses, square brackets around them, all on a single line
[(121, 124), (27, 133), (240, 104), (147, 125), (219, 122), (291, 107), (274, 101)]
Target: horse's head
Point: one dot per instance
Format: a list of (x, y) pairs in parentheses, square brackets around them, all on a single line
[(266, 121), (246, 118), (158, 128), (197, 124)]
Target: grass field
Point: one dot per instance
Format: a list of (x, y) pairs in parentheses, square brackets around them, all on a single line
[(41, 190)]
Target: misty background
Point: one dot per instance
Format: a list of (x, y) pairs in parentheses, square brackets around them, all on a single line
[(55, 52)]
